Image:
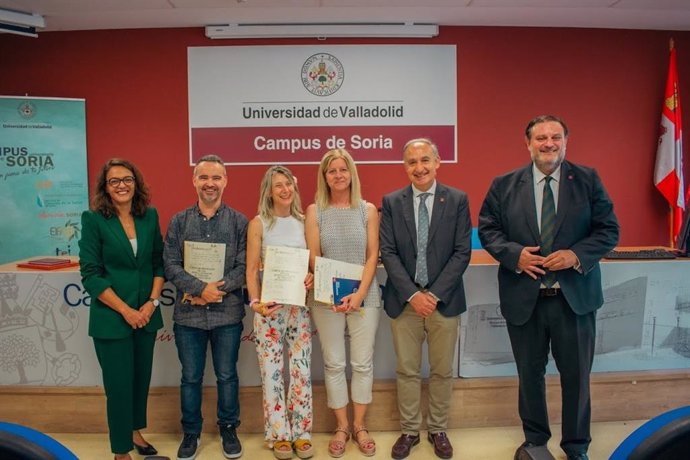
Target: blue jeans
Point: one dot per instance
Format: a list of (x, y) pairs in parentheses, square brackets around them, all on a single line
[(191, 349)]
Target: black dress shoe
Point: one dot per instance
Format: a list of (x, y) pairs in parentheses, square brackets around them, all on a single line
[(531, 451), (582, 456), (401, 448), (519, 452), (148, 449)]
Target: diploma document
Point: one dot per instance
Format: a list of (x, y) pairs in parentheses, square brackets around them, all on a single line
[(205, 261), (327, 269), (284, 272)]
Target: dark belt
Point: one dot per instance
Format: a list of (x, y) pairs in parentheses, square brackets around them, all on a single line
[(549, 292)]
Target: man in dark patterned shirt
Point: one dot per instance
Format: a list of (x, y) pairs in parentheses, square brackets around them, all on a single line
[(208, 311)]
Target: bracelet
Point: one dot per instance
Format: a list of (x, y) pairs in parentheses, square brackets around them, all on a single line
[(253, 301)]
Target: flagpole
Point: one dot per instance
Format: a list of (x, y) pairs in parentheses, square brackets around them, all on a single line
[(671, 241), (671, 210)]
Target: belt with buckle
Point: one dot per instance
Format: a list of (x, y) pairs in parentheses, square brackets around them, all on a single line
[(549, 292)]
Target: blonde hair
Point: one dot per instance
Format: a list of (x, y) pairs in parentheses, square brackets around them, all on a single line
[(323, 192), (265, 207)]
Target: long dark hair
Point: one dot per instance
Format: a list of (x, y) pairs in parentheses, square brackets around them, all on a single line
[(101, 202)]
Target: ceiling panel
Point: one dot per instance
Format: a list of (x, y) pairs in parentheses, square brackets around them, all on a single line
[(200, 4), (654, 4), (395, 3), (125, 14), (542, 3), (79, 6)]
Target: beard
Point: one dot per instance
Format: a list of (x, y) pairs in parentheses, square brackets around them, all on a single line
[(208, 197), (547, 166)]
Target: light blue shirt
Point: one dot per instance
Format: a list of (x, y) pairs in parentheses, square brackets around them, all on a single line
[(429, 206), (429, 202), (539, 198)]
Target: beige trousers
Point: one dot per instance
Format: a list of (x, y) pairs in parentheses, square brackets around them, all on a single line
[(441, 333), (361, 328)]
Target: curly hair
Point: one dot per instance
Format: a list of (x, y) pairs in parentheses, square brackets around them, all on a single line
[(101, 201)]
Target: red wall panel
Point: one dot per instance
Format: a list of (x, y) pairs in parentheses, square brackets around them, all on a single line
[(607, 84)]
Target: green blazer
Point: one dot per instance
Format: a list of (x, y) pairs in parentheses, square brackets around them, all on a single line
[(107, 261)]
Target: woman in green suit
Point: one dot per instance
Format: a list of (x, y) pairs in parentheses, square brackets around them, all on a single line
[(122, 269)]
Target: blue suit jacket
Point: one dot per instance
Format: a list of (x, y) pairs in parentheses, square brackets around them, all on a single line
[(448, 249), (585, 223), (106, 261)]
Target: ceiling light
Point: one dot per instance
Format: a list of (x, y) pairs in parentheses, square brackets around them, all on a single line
[(17, 22), (323, 30)]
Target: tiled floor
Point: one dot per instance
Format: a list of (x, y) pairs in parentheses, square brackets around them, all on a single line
[(470, 444)]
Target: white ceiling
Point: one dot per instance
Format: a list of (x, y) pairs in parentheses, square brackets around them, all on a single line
[(128, 14)]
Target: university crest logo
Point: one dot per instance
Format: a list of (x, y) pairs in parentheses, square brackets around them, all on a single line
[(26, 109), (322, 74)]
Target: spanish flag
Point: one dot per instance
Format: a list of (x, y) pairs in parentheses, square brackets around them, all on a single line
[(668, 173)]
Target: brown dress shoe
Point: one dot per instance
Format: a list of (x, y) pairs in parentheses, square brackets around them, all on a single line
[(401, 448), (442, 446)]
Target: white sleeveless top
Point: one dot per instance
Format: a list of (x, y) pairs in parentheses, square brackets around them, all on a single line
[(286, 231)]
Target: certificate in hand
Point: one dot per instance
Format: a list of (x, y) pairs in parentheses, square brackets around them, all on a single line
[(205, 261), (284, 272), (327, 269)]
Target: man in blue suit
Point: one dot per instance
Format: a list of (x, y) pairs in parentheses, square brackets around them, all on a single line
[(425, 246), (548, 224)]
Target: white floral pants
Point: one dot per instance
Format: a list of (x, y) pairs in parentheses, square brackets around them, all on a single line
[(287, 417)]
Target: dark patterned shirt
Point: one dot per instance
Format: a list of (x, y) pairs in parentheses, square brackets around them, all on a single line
[(226, 226)]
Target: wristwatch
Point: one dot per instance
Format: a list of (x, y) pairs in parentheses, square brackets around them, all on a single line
[(156, 303)]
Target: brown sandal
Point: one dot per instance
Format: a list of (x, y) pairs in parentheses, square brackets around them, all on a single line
[(336, 448), (367, 447)]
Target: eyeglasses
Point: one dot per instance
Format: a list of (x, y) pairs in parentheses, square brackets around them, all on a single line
[(115, 181)]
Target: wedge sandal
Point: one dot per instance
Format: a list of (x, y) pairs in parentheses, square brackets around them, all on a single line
[(367, 446), (336, 447)]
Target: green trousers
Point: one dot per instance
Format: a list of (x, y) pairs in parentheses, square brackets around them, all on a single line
[(126, 365)]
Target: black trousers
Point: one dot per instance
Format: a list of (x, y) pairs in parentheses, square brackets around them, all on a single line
[(571, 339)]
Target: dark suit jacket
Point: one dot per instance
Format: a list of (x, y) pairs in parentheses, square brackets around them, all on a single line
[(106, 261), (585, 223), (448, 249)]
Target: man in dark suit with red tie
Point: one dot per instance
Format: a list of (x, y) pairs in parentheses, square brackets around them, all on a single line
[(548, 224)]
